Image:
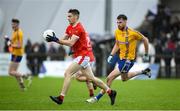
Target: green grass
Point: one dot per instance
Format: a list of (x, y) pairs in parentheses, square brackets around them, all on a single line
[(135, 94)]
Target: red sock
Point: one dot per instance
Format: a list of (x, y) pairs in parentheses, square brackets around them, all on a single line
[(109, 91), (91, 92), (61, 97)]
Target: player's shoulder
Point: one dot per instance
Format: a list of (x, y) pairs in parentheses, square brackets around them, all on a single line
[(133, 31), (80, 26), (116, 30), (20, 31), (69, 27)]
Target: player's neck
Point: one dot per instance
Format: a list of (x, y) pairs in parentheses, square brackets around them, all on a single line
[(15, 29), (74, 25), (123, 28)]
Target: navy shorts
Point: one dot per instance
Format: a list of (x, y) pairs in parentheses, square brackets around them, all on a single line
[(125, 65), (15, 58)]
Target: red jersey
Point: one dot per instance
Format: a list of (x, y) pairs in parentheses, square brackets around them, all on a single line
[(82, 47)]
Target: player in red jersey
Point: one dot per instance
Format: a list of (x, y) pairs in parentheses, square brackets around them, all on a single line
[(81, 78), (77, 38)]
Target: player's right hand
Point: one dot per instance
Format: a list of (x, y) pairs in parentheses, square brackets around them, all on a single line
[(53, 38), (110, 58)]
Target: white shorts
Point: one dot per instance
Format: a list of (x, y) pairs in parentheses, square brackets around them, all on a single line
[(83, 61)]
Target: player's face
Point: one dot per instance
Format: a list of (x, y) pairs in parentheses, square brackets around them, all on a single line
[(72, 18), (14, 26), (121, 23)]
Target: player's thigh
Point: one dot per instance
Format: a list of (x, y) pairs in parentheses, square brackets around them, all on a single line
[(15, 60), (88, 72), (72, 69), (115, 73), (13, 66), (77, 74)]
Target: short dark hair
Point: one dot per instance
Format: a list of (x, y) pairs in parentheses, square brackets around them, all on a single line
[(14, 20), (122, 16), (74, 12)]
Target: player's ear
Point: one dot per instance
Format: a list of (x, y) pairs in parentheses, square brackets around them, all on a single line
[(77, 17)]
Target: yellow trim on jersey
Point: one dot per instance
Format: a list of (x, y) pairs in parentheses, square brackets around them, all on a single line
[(17, 38), (127, 41)]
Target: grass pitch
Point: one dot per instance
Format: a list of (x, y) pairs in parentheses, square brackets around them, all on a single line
[(134, 94)]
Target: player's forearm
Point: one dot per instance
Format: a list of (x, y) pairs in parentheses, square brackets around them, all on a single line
[(146, 45), (115, 49), (69, 42), (66, 42), (18, 45), (65, 37)]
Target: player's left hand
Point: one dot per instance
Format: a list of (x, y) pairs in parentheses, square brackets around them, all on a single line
[(146, 58), (53, 38)]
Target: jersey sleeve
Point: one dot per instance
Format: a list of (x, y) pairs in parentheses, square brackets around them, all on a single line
[(138, 35)]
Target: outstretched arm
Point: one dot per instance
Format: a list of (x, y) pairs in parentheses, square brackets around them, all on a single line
[(113, 52), (64, 41), (146, 44), (115, 48), (146, 47)]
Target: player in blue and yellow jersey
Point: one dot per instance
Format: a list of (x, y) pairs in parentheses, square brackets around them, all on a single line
[(17, 51), (126, 41)]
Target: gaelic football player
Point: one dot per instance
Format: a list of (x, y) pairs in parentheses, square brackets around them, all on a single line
[(77, 38), (126, 41)]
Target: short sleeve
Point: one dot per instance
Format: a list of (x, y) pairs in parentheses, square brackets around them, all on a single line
[(138, 35)]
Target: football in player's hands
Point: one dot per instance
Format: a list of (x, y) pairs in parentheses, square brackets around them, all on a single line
[(49, 35)]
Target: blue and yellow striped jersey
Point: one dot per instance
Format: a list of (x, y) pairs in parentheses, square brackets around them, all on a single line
[(127, 41)]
